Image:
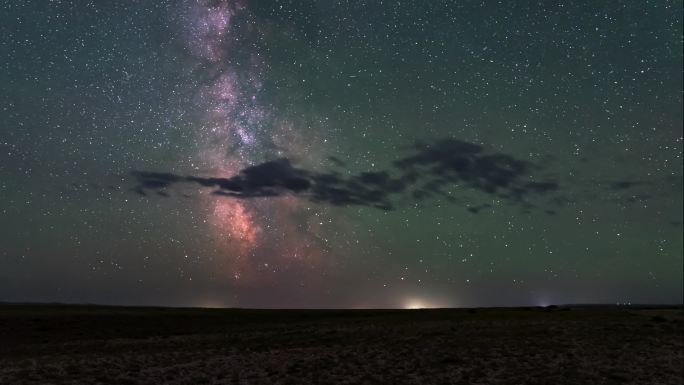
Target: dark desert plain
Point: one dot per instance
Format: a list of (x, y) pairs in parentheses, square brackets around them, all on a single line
[(67, 344), (211, 175)]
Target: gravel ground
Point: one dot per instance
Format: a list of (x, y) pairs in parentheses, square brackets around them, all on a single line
[(96, 345)]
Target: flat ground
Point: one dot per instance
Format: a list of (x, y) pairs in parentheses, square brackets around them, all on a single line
[(91, 345)]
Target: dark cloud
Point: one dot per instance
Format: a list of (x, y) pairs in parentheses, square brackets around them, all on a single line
[(449, 162), (153, 181), (635, 191), (625, 184), (432, 169), (271, 178), (476, 209), (337, 161)]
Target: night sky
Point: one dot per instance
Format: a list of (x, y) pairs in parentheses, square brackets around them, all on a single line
[(341, 153)]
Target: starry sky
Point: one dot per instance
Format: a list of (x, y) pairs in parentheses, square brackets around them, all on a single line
[(341, 154)]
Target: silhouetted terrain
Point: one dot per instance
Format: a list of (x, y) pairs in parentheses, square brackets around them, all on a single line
[(111, 345)]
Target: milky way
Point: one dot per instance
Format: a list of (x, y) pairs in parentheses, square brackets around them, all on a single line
[(235, 129)]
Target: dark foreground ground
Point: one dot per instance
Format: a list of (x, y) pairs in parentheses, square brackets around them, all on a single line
[(91, 345)]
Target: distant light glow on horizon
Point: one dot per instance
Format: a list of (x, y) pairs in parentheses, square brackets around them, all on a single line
[(418, 303)]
